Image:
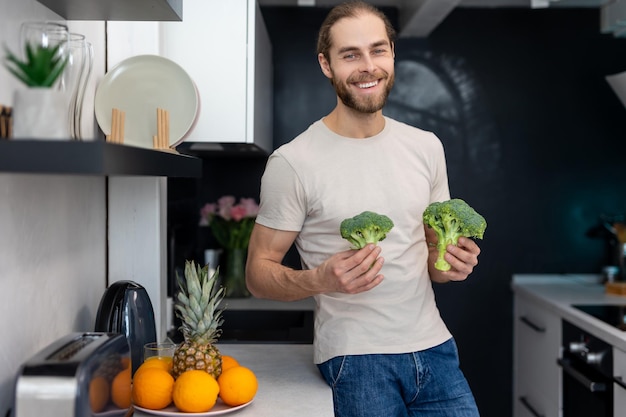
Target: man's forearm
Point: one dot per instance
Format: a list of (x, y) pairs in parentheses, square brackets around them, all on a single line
[(268, 279)]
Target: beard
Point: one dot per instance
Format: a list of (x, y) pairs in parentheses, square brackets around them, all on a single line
[(363, 104)]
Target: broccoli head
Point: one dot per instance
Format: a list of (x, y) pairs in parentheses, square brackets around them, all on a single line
[(364, 228), (452, 219)]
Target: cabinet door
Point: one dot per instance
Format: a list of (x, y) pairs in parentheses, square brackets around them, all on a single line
[(211, 45), (619, 371), (537, 377)]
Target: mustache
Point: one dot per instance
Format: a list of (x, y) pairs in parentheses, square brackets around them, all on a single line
[(366, 78)]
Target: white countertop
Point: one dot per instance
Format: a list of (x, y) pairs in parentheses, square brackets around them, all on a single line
[(559, 292), (289, 383)]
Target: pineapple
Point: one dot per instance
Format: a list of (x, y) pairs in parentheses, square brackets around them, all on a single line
[(196, 306)]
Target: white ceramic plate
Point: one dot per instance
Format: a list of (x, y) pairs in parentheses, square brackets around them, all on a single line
[(138, 86), (218, 409)]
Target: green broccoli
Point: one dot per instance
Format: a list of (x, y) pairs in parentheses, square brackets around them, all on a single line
[(452, 219), (364, 228)]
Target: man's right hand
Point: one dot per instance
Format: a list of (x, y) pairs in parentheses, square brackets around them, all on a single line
[(352, 271)]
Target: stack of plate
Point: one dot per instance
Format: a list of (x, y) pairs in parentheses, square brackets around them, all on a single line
[(139, 86)]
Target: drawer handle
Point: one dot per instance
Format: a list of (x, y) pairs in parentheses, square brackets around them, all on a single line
[(529, 407), (592, 386), (532, 325)]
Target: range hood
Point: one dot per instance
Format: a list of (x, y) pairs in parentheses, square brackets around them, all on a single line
[(222, 149)]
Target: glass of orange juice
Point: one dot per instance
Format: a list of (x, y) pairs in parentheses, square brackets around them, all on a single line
[(163, 351)]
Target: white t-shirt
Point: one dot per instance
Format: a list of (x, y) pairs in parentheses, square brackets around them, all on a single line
[(319, 179)]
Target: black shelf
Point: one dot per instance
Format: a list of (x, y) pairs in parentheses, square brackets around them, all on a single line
[(139, 10), (93, 158)]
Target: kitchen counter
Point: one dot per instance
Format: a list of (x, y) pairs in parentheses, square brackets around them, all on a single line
[(289, 383), (559, 292)]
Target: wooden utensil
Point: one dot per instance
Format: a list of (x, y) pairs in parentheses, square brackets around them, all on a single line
[(162, 139), (118, 119), (5, 122)]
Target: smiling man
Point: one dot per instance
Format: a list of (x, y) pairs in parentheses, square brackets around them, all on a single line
[(380, 341)]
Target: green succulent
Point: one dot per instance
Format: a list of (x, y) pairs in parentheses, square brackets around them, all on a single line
[(41, 68)]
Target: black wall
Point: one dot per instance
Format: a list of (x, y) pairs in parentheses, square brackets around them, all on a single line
[(535, 142)]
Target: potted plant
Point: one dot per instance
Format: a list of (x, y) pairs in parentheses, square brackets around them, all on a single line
[(231, 224), (40, 110), (41, 68)]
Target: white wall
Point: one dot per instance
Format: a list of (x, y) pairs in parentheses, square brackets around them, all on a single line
[(52, 232)]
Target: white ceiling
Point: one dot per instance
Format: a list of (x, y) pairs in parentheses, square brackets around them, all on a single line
[(420, 17)]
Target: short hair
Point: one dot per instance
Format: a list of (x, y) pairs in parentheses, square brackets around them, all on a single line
[(351, 8)]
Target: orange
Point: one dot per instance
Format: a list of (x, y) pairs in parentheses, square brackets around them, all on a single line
[(228, 362), (238, 385), (99, 391), (195, 391), (152, 388), (125, 362), (120, 389), (157, 362)]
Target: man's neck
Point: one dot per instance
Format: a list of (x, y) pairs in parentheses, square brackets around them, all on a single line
[(353, 124)]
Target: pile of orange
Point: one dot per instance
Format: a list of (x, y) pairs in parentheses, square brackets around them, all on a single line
[(153, 386), (238, 385), (106, 387)]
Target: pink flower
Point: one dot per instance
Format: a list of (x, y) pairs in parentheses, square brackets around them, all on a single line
[(224, 205), (206, 212), (251, 207), (228, 209), (231, 223), (238, 212), (226, 201)]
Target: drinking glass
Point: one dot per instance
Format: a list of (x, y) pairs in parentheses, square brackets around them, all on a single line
[(163, 351), (75, 78), (47, 34), (79, 55), (86, 75)]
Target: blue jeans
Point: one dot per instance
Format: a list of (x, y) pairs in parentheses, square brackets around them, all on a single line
[(426, 383)]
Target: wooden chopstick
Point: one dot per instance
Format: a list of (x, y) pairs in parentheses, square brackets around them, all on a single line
[(114, 122), (118, 119), (162, 138), (159, 128), (167, 129), (3, 123), (120, 127)]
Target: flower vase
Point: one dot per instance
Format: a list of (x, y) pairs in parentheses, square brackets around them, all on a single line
[(234, 279)]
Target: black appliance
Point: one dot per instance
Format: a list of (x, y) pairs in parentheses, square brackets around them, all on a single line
[(611, 314), (126, 308), (587, 364)]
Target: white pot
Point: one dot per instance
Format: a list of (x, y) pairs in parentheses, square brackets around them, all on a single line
[(41, 113)]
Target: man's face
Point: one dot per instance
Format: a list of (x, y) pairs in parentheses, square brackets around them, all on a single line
[(361, 63)]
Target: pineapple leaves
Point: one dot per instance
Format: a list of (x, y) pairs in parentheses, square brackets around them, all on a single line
[(197, 303)]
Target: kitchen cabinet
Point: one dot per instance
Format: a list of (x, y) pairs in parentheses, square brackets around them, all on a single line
[(536, 375), (225, 48), (116, 9), (619, 371)]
